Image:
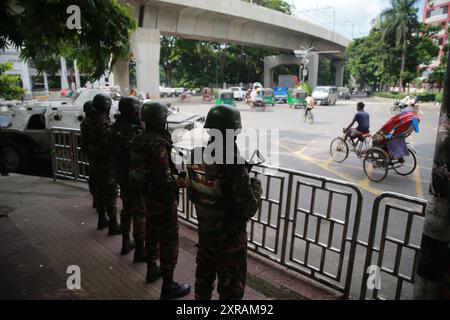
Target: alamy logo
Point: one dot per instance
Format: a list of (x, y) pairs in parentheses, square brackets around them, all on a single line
[(74, 280), (74, 20), (374, 279)]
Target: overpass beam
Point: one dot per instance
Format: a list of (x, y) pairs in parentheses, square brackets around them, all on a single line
[(146, 52), (313, 69), (340, 68), (121, 72)]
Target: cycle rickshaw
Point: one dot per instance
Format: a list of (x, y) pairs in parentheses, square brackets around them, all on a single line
[(383, 151)]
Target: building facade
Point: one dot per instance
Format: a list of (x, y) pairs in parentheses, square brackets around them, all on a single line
[(436, 12), (36, 84)]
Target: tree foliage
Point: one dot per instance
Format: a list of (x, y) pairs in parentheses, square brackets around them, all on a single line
[(39, 28), (278, 5), (9, 84), (394, 49)]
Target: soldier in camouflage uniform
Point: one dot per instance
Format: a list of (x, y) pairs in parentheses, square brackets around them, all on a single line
[(89, 111), (225, 198), (105, 184), (126, 127), (154, 172)]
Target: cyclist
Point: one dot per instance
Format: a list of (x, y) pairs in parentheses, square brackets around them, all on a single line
[(309, 105), (363, 120)]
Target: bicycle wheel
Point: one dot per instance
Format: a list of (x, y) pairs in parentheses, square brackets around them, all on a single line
[(408, 166), (311, 117), (339, 150), (376, 165), (394, 110)]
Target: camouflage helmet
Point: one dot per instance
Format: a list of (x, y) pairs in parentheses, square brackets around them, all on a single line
[(88, 108), (154, 113), (223, 117), (129, 106), (102, 102)]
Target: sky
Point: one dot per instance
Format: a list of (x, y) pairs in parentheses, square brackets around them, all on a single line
[(349, 14)]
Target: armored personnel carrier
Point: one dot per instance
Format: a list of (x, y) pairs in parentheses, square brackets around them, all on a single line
[(27, 136)]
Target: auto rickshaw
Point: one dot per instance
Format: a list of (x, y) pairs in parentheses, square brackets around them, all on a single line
[(297, 98), (226, 97), (269, 97)]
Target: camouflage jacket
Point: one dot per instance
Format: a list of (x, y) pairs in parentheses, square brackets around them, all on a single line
[(151, 168), (84, 141), (223, 192), (98, 138), (120, 136)]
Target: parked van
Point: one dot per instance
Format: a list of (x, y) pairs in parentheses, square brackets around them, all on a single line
[(325, 95)]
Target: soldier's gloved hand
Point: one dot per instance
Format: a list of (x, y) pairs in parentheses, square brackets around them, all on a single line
[(181, 183), (182, 175)]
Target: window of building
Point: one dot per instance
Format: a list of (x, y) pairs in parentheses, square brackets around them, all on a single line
[(437, 11)]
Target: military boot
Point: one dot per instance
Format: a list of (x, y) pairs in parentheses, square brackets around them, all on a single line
[(174, 290), (114, 228), (127, 244), (153, 273), (139, 253), (103, 221)]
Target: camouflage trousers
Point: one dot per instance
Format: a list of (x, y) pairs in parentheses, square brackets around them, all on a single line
[(161, 234), (132, 210), (105, 188), (221, 254)]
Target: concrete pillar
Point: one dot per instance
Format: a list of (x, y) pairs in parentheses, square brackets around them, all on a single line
[(146, 52), (121, 71), (64, 82), (26, 79), (269, 62), (313, 69), (77, 74), (340, 68), (46, 83)]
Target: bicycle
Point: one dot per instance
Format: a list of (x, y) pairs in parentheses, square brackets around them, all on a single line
[(340, 147), (309, 117), (377, 161)]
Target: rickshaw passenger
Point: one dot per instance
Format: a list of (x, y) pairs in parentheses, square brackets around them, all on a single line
[(392, 136), (363, 120)]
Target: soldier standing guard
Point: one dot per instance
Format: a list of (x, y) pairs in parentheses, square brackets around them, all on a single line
[(153, 171), (89, 112), (105, 184), (126, 127), (225, 198)]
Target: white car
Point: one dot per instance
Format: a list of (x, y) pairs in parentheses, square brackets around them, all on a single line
[(325, 95), (238, 93), (166, 92)]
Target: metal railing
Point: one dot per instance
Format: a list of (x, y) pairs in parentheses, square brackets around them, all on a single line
[(393, 226), (307, 223)]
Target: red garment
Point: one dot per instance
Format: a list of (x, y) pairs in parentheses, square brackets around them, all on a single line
[(399, 123)]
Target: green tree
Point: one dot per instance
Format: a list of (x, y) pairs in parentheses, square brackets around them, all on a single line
[(39, 28), (278, 5), (399, 23), (437, 76), (9, 84)]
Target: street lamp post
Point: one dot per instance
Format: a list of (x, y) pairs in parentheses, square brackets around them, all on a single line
[(303, 55)]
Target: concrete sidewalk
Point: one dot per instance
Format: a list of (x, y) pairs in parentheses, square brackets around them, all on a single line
[(46, 226)]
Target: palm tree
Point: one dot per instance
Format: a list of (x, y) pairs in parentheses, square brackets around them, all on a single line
[(399, 23)]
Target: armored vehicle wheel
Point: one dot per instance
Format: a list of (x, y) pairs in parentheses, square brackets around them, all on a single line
[(17, 156)]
